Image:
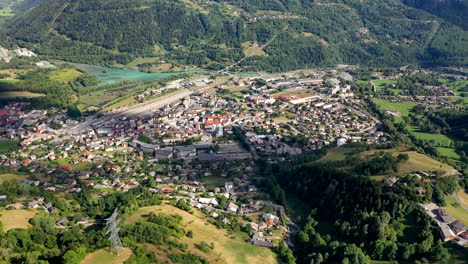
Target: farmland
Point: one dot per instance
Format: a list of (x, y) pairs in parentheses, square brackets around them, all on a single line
[(16, 218), (11, 177), (19, 94), (439, 139), (105, 256), (402, 108), (8, 145), (64, 75), (454, 209), (416, 162)]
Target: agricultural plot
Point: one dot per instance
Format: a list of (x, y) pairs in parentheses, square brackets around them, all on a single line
[(12, 177), (439, 139), (8, 145), (402, 108), (64, 75), (448, 152), (105, 256), (12, 219), (455, 209), (416, 162), (19, 94)]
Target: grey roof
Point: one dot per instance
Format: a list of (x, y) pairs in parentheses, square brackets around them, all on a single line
[(262, 243), (458, 227), (447, 218)]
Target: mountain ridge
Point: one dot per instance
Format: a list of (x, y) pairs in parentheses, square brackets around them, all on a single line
[(210, 34)]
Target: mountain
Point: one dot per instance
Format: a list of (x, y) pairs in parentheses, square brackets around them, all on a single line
[(216, 33), (452, 10)]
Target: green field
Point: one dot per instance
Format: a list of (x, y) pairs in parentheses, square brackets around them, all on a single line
[(402, 108), (16, 218), (336, 154), (19, 94), (64, 75), (416, 162), (214, 181), (455, 210), (6, 13), (382, 82), (8, 145), (12, 177), (448, 152), (104, 256), (439, 139)]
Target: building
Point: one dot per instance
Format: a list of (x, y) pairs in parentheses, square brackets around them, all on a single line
[(458, 227), (445, 231), (232, 207)]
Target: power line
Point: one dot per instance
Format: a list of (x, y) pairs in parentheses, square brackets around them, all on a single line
[(112, 222)]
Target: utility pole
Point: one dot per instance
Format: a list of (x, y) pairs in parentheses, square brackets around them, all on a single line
[(112, 228)]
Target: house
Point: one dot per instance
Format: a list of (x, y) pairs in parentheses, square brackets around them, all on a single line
[(446, 219), (262, 243), (15, 206), (33, 204), (458, 227), (212, 201), (3, 197), (232, 207), (167, 191), (390, 181), (445, 231), (65, 167), (229, 186)]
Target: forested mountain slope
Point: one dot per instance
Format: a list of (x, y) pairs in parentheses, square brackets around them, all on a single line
[(454, 11), (211, 34)]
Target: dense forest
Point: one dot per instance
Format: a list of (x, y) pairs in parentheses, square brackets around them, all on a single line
[(303, 34)]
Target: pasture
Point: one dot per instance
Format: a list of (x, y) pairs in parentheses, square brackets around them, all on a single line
[(105, 256), (12, 219), (228, 248), (64, 75)]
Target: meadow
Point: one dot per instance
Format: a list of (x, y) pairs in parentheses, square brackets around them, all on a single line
[(105, 256), (403, 108), (228, 247), (8, 145), (16, 218)]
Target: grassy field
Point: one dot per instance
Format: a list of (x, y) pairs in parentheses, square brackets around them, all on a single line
[(228, 248), (448, 152), (439, 139), (19, 94), (336, 154), (8, 145), (402, 108), (64, 75), (251, 50), (11, 177), (214, 181), (455, 210), (384, 81), (16, 218), (462, 197), (105, 256), (6, 13), (416, 162)]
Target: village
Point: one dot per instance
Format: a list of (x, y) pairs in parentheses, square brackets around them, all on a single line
[(199, 150)]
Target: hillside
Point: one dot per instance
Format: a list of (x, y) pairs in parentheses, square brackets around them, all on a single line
[(211, 34)]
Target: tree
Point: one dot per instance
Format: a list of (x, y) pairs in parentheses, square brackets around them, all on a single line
[(74, 256)]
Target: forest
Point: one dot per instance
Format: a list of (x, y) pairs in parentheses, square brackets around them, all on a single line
[(379, 33)]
